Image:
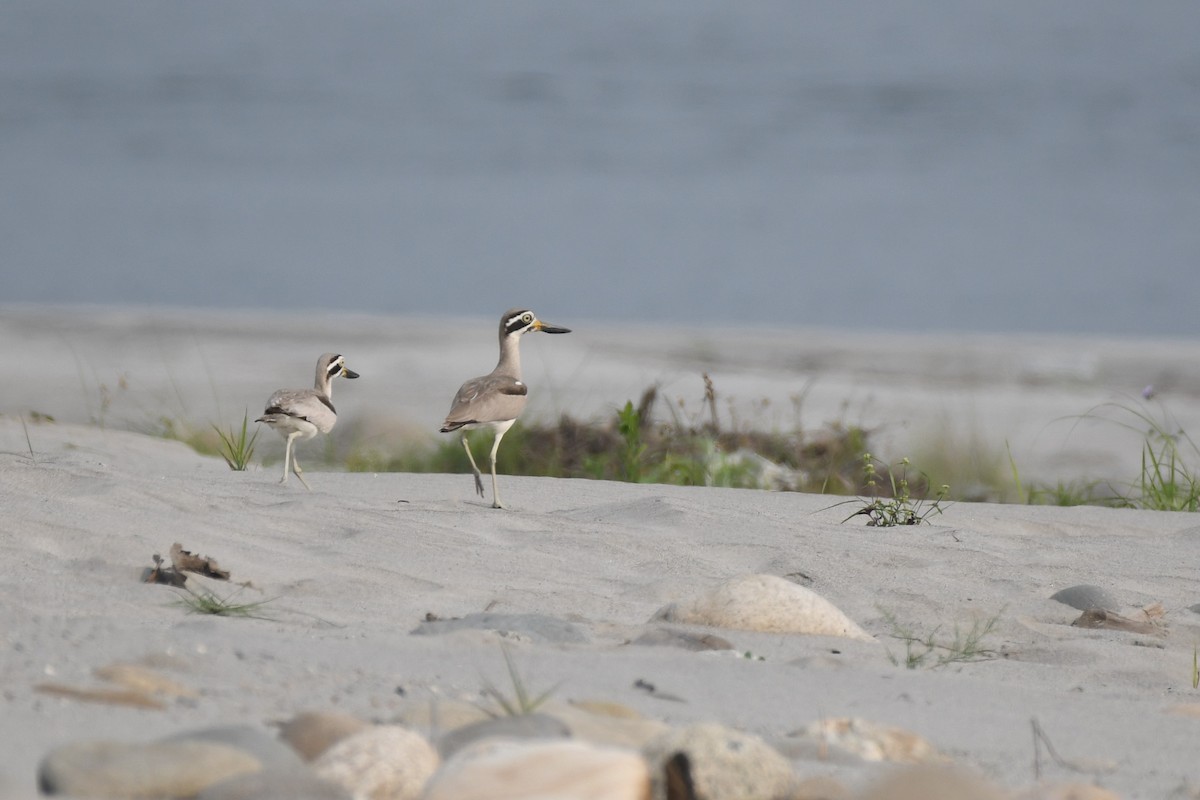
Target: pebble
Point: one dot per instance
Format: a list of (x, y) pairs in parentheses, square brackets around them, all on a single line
[(931, 783), (721, 764), (158, 769), (868, 741), (607, 724), (311, 733), (142, 679), (383, 762), (541, 770), (300, 784), (764, 603), (271, 753), (1085, 597), (820, 788)]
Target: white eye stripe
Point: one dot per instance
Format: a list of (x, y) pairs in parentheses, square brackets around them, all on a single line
[(518, 322)]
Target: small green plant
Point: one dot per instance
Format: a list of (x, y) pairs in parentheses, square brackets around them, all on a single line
[(928, 651), (1167, 481), (629, 425), (654, 440), (521, 702), (237, 447), (208, 602), (901, 508), (1195, 669)]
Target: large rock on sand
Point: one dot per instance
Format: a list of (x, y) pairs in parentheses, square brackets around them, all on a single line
[(159, 769), (717, 763), (545, 770), (767, 604), (383, 762), (311, 733)]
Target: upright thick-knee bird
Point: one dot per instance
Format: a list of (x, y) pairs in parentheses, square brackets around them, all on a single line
[(496, 400), (303, 413)]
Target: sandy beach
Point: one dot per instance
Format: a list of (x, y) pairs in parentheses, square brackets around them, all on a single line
[(351, 570)]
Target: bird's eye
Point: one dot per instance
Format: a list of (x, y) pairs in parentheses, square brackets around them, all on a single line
[(527, 317)]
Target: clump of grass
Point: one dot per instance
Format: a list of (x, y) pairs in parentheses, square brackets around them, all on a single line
[(633, 449), (901, 507), (522, 702), (1168, 480), (655, 441), (1079, 492), (927, 651), (237, 446), (205, 601)]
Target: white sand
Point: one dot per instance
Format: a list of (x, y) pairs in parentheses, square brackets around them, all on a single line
[(353, 567)]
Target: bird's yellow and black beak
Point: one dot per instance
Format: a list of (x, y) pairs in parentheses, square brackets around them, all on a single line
[(538, 325), (348, 373)]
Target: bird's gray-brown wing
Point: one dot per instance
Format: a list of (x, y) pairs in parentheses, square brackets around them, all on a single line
[(305, 404), (492, 398)]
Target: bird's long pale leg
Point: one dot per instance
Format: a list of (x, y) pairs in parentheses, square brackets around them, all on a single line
[(299, 472), (474, 468), (287, 456), (500, 431)]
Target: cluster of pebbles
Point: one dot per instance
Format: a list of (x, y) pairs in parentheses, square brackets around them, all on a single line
[(448, 749), (566, 752)]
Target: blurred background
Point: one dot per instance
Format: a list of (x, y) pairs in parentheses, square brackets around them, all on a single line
[(923, 165)]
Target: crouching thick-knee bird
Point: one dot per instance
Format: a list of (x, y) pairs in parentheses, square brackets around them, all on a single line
[(303, 413), (496, 400)]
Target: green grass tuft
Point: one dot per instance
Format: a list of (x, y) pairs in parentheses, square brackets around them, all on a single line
[(1168, 480), (237, 446), (927, 651), (208, 602), (901, 507), (680, 447), (521, 702)]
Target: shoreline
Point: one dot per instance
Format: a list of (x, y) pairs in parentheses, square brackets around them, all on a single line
[(994, 394)]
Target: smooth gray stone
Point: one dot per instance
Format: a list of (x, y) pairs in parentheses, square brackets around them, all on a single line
[(272, 753), (1086, 597), (685, 640), (523, 726), (299, 784), (538, 627), (158, 769)]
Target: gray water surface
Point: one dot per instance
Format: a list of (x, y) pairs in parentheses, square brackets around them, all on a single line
[(1029, 166)]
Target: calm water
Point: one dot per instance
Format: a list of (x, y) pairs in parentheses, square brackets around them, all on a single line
[(898, 165)]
